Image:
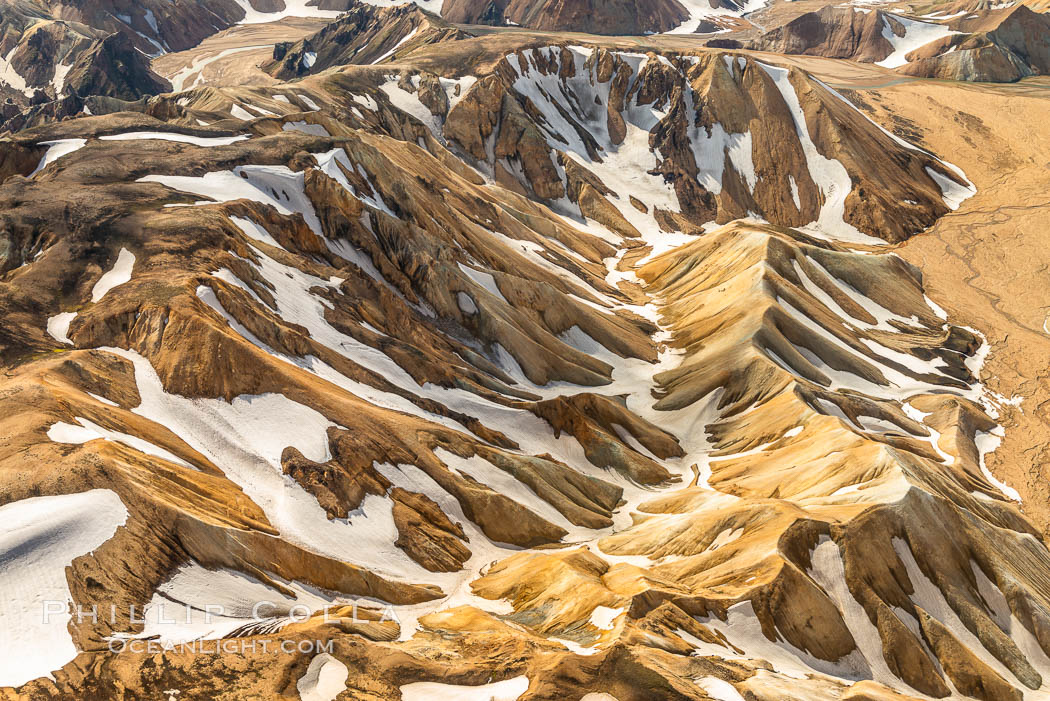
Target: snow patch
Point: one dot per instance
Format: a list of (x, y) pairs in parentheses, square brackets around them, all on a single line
[(306, 128), (916, 34), (485, 280), (508, 690), (466, 303), (699, 10), (719, 690), (40, 538), (987, 443), (604, 617), (396, 46), (58, 326), (239, 112), (292, 8), (255, 231), (324, 680), (117, 275), (57, 149), (952, 192), (314, 107), (62, 432)]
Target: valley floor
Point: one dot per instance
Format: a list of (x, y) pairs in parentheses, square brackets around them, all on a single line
[(987, 262)]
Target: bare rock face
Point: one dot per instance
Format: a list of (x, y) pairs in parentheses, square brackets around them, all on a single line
[(39, 51), (154, 26), (47, 49), (991, 44), (589, 193), (834, 32), (426, 533), (971, 676), (592, 420), (56, 67), (986, 64), (432, 94), (487, 107), (114, 68)]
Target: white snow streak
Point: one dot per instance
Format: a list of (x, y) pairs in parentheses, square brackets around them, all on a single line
[(508, 690), (57, 149), (117, 275)]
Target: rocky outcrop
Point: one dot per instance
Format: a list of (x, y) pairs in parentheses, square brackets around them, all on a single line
[(48, 49), (47, 60), (38, 52)]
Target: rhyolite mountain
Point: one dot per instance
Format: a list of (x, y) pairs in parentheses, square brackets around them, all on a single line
[(1002, 46), (988, 45), (595, 17), (365, 35), (834, 32), (529, 367)]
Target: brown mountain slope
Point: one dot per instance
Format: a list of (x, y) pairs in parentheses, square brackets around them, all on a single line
[(157, 26), (112, 67), (154, 26), (38, 53), (41, 41), (57, 69), (835, 32)]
